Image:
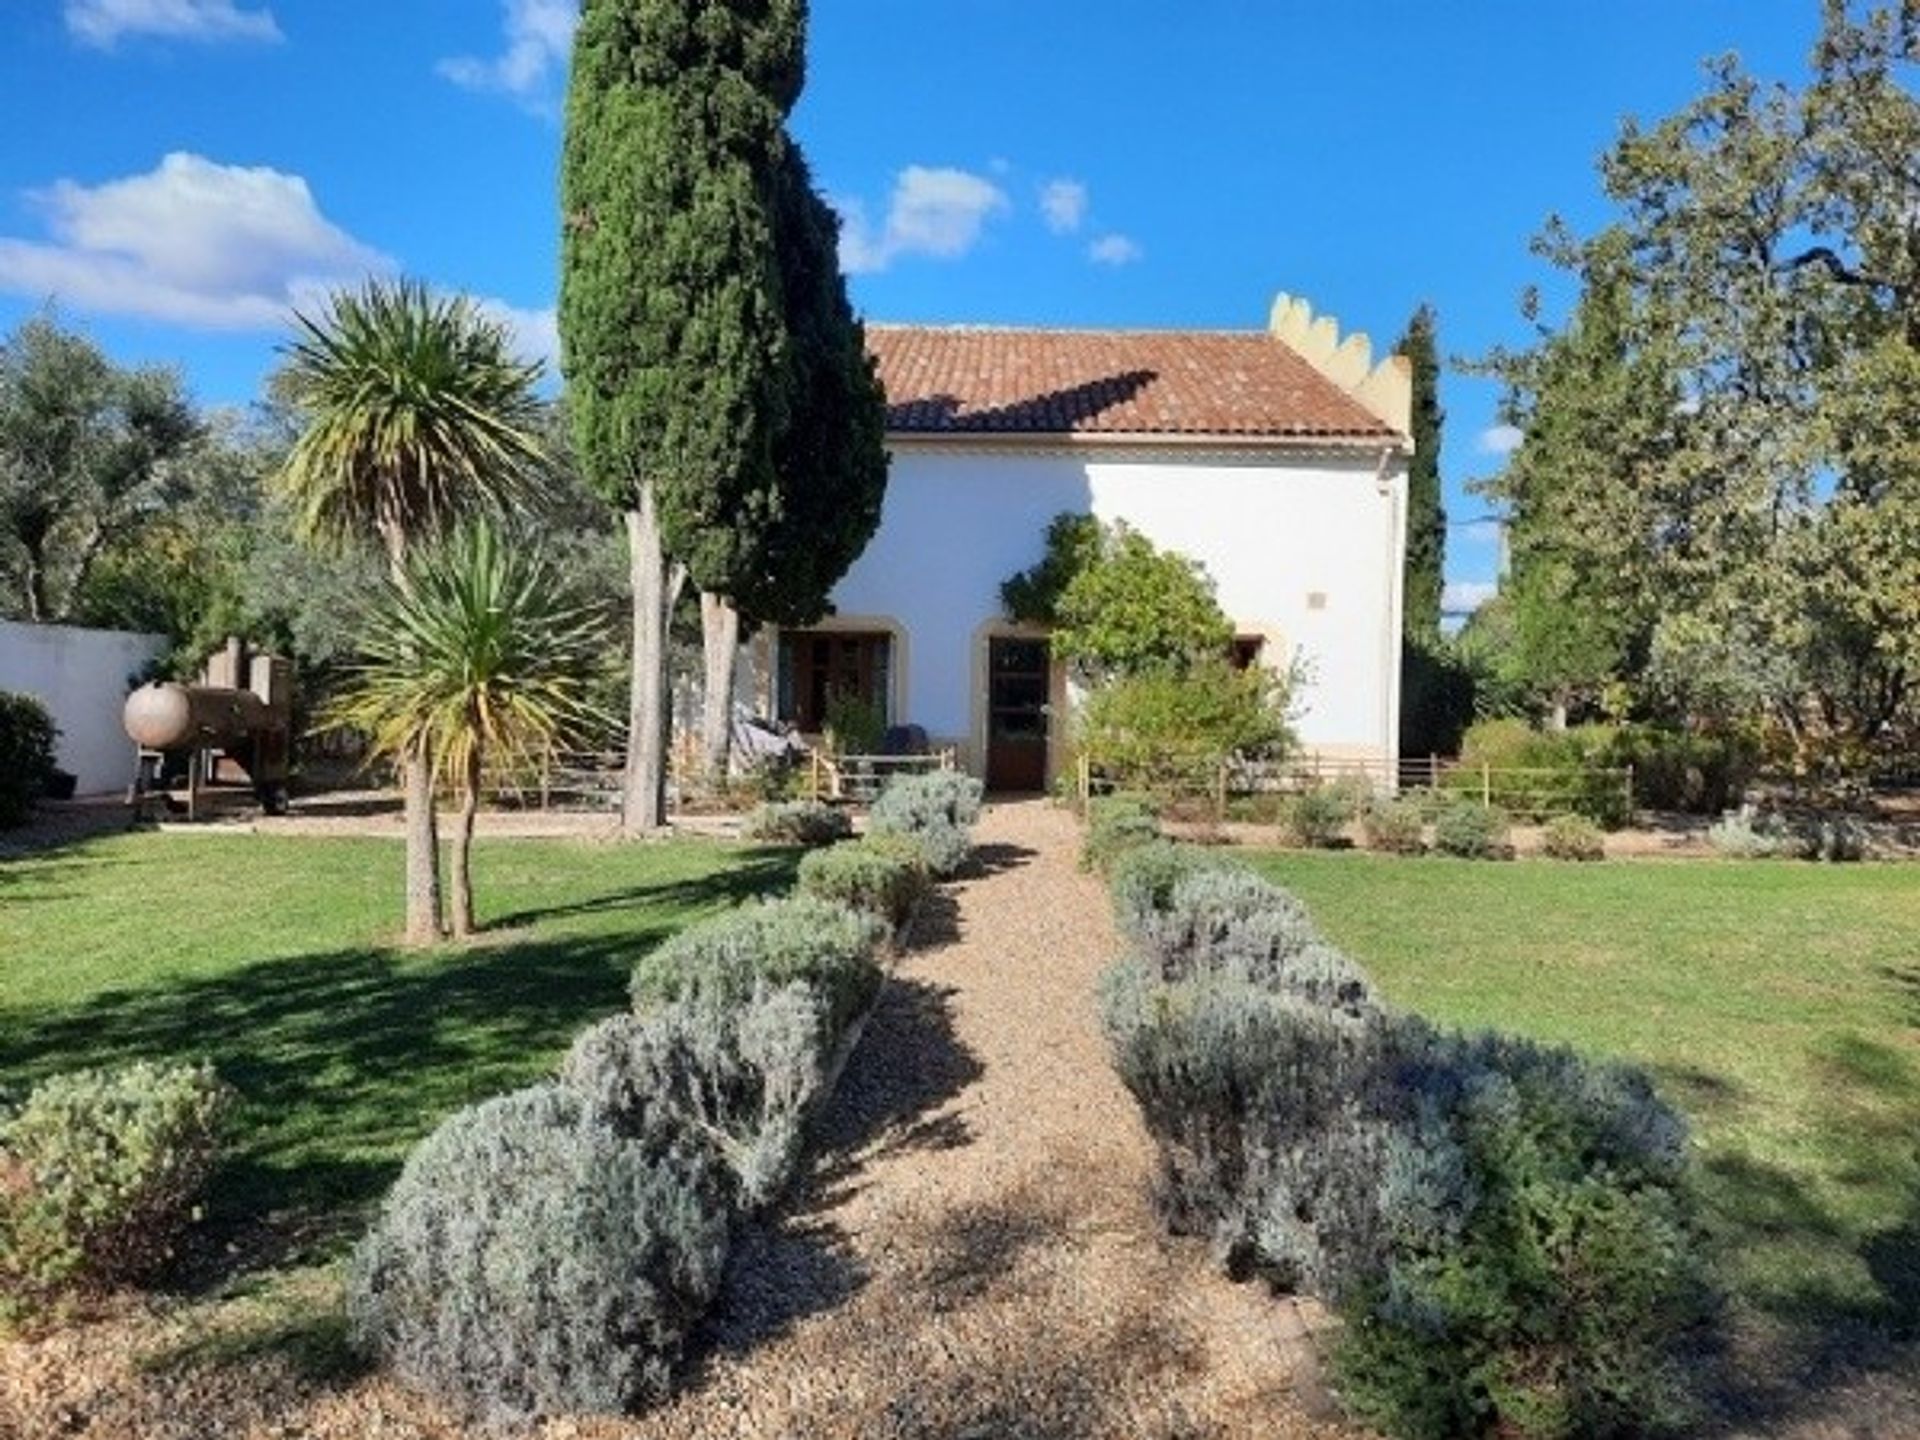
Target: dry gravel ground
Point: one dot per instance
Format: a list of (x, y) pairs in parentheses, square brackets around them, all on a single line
[(972, 1255)]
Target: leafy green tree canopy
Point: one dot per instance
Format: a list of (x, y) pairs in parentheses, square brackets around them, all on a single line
[(88, 452), (672, 314), (1118, 604)]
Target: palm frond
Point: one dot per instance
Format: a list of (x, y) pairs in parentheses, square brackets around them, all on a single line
[(416, 413), (477, 649)]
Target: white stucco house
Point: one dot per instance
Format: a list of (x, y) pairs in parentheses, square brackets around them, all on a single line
[(1277, 458)]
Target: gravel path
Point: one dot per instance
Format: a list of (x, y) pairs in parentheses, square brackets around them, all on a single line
[(972, 1255), (975, 1254)]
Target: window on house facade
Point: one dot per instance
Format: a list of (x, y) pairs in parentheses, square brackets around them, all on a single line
[(1247, 650), (819, 666)]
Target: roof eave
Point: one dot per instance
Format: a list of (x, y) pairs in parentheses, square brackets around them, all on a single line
[(1164, 439)]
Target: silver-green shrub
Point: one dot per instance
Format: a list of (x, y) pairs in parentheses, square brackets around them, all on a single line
[(1274, 1117), (937, 810), (1573, 837), (1470, 830), (1737, 837), (101, 1172), (796, 822), (741, 1076), (1141, 880), (879, 875), (1116, 825), (1319, 817), (532, 1261), (1397, 826), (724, 961)]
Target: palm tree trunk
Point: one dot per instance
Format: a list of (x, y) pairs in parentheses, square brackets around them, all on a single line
[(463, 847), (644, 810), (423, 850), (422, 823), (720, 630)]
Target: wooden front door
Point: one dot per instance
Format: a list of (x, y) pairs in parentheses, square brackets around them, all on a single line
[(1017, 683)]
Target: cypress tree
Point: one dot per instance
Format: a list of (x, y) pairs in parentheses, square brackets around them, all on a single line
[(830, 459), (671, 314), (1426, 511)]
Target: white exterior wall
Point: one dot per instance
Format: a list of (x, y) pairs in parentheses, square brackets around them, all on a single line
[(81, 676), (1274, 529)]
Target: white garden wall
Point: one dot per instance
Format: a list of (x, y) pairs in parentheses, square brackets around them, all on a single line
[(1305, 547), (82, 677)]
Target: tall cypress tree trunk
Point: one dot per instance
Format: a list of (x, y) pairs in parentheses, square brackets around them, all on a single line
[(646, 778), (463, 847), (720, 633)]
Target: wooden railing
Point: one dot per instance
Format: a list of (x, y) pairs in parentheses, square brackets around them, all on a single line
[(858, 779)]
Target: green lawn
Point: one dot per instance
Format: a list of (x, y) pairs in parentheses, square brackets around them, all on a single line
[(1777, 1003), (272, 957)]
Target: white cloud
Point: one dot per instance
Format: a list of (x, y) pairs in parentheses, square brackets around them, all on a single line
[(536, 333), (103, 22), (1115, 249), (1500, 439), (539, 40), (195, 243), (1463, 597), (937, 213), (1063, 204), (1481, 532)]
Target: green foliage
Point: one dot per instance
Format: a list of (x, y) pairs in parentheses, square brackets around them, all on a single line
[(739, 1078), (1545, 772), (881, 875), (532, 1261), (27, 735), (101, 1173), (1117, 824), (1470, 830), (1572, 837), (1691, 771), (1319, 817), (1135, 609), (829, 458), (1753, 553), (1172, 729), (1397, 826), (1074, 543), (1439, 688), (855, 725), (797, 822), (1547, 1263), (673, 314), (88, 451), (477, 649), (1426, 510), (413, 413), (722, 962), (1448, 1194), (937, 811)]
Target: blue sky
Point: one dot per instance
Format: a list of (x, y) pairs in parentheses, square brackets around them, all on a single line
[(176, 172)]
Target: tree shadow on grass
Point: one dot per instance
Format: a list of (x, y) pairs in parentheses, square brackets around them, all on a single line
[(342, 1059), (759, 873), (1831, 1322)]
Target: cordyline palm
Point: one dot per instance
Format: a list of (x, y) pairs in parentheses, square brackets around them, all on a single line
[(476, 656), (414, 412)]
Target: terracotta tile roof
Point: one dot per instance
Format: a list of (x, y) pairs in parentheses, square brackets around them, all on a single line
[(984, 380)]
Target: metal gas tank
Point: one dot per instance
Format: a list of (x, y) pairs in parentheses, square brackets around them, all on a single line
[(182, 717)]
